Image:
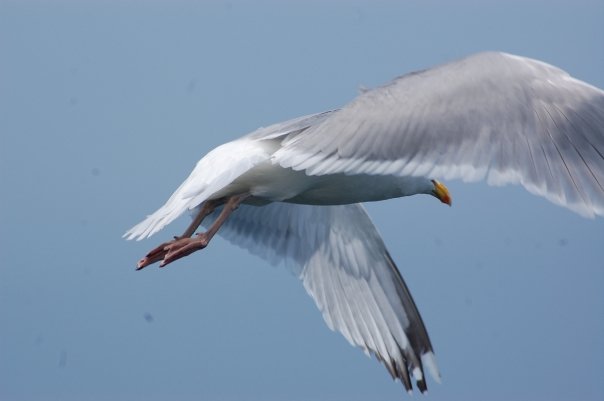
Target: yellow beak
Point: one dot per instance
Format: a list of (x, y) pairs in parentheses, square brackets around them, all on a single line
[(441, 192)]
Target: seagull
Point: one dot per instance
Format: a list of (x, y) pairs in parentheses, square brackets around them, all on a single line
[(292, 192)]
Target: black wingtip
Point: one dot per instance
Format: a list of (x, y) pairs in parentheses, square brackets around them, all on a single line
[(422, 386)]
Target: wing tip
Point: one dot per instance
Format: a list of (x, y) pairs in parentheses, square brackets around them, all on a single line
[(429, 361)]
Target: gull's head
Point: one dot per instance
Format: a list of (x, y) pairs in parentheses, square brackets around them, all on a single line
[(440, 192)]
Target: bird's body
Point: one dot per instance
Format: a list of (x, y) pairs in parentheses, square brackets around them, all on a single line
[(269, 182), (297, 184)]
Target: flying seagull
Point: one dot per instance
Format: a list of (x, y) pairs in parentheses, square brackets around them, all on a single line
[(292, 191)]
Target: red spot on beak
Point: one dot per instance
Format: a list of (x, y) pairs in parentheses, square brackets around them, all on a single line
[(441, 192)]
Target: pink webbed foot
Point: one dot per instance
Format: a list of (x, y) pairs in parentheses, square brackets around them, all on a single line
[(183, 247), (173, 250), (155, 255)]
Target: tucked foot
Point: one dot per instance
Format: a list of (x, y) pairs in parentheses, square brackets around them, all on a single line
[(182, 247)]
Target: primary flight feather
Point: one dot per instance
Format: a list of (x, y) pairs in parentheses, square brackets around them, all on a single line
[(291, 191)]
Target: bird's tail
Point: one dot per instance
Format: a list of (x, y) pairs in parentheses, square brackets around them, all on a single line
[(174, 207), (212, 173)]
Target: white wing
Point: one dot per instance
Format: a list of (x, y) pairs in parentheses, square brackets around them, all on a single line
[(507, 118), (345, 267), (218, 169)]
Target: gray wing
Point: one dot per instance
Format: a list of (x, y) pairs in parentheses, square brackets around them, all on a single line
[(345, 267), (291, 127), (492, 115)]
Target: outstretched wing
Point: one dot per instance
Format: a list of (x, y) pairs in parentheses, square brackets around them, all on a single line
[(507, 118), (345, 267)]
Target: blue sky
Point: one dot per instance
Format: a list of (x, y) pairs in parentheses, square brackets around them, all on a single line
[(106, 106)]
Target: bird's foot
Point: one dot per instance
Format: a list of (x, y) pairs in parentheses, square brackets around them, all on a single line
[(155, 255), (184, 246), (173, 250)]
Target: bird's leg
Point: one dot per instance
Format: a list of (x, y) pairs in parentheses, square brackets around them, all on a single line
[(186, 246), (159, 252)]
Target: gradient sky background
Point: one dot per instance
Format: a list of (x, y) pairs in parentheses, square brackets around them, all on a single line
[(105, 106)]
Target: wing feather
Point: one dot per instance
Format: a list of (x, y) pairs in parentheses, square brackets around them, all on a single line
[(344, 266), (492, 115)]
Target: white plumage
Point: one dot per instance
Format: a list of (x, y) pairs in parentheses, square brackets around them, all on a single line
[(492, 115)]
